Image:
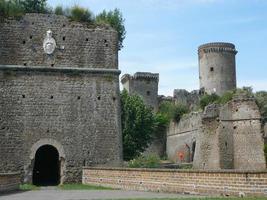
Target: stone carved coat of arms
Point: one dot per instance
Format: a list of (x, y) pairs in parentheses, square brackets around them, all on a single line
[(49, 43)]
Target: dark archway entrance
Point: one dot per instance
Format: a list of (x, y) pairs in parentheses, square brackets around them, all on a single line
[(46, 170)]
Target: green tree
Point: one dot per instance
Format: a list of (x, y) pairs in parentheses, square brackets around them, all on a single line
[(172, 111), (59, 10), (12, 8), (35, 6), (208, 99), (80, 14), (261, 99), (115, 20), (137, 125)]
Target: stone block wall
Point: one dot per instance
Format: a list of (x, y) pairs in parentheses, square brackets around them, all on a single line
[(68, 99), (78, 45), (242, 118), (9, 182), (223, 183), (181, 138), (79, 110), (207, 148), (227, 137)]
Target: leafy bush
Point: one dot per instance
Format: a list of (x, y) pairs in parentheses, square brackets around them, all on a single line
[(161, 122), (149, 161), (265, 153), (81, 14), (261, 99), (226, 97), (172, 111), (179, 111), (35, 6), (115, 20), (59, 10), (12, 8), (17, 8), (208, 99), (137, 125)]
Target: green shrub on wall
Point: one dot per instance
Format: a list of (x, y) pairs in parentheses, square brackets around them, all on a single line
[(172, 111), (148, 161), (208, 99), (81, 14), (113, 18), (265, 153)]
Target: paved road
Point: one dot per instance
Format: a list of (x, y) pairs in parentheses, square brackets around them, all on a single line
[(84, 195)]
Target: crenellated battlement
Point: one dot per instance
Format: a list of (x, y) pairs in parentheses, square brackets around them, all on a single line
[(140, 76), (217, 47)]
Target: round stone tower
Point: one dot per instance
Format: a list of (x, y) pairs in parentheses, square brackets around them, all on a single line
[(217, 73)]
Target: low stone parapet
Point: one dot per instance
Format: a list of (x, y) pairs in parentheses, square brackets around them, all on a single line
[(9, 182), (225, 182)]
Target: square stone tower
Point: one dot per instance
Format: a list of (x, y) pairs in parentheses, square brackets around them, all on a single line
[(59, 98), (144, 84)]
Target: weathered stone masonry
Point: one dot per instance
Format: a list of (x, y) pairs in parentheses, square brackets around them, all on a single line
[(69, 99), (227, 137)]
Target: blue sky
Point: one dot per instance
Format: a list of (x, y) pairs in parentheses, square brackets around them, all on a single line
[(163, 37)]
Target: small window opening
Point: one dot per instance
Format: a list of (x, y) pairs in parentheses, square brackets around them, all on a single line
[(148, 93), (52, 65), (87, 39), (25, 64), (51, 97), (78, 97), (23, 96), (23, 42), (211, 69), (98, 98), (64, 38)]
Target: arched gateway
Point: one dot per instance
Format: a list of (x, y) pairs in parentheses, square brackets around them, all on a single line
[(46, 170)]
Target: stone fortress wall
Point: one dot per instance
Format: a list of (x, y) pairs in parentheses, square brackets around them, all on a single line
[(181, 138), (227, 137), (77, 44), (68, 99)]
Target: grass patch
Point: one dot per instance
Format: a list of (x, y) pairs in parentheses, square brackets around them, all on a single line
[(82, 187), (26, 187), (201, 198)]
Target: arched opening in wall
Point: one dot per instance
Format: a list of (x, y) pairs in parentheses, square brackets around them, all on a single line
[(193, 151), (46, 170)]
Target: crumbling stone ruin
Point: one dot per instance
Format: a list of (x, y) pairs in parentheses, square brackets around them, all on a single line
[(59, 98), (220, 137)]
